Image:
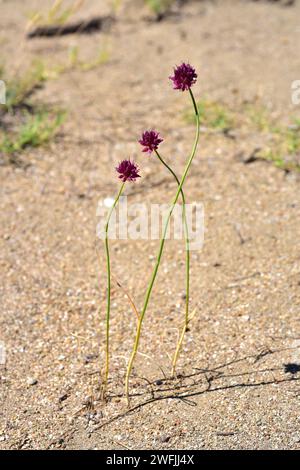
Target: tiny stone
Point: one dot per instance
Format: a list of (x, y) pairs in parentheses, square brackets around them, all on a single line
[(86, 400), (31, 381), (63, 397), (89, 358), (296, 439), (108, 202)]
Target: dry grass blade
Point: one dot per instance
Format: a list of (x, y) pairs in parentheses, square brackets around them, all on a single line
[(127, 295)]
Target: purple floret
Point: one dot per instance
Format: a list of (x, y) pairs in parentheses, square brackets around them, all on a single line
[(184, 77), (150, 141), (128, 171)]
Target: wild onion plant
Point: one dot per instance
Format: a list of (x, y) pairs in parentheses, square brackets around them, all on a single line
[(150, 141), (128, 171), (183, 79)]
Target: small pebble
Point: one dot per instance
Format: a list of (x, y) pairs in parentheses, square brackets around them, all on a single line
[(31, 381), (63, 397), (89, 358), (108, 201)]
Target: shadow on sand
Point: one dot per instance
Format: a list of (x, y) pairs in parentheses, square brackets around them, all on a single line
[(209, 380)]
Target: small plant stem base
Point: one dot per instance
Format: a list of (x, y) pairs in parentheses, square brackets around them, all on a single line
[(128, 372), (180, 341), (177, 351)]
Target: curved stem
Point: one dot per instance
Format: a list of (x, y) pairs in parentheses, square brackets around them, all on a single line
[(187, 264), (161, 247), (105, 377)]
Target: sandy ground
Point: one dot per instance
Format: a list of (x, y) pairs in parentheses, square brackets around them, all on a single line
[(237, 388)]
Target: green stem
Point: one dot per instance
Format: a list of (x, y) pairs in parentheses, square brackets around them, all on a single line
[(187, 263), (105, 377), (161, 247)]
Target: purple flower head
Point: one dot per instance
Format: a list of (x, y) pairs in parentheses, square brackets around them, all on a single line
[(128, 171), (184, 77), (150, 141)]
